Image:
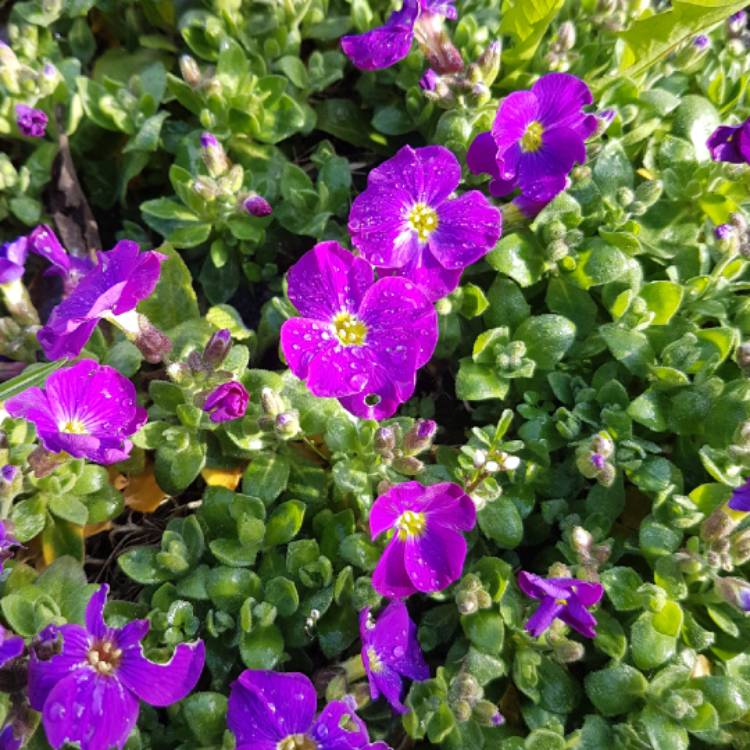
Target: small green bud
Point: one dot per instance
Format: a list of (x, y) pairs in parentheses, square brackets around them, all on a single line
[(649, 192), (462, 711), (190, 71), (466, 602), (625, 196)]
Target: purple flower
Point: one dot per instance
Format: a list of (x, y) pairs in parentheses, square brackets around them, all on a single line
[(276, 711), (724, 232), (730, 143), (740, 499), (257, 205), (598, 460), (390, 651), (226, 402), (208, 140), (217, 348), (123, 277), (429, 80), (565, 598), (406, 222), (358, 340), (427, 550), (7, 541), (386, 45), (88, 410), (11, 646), (9, 740), (13, 259), (70, 268), (537, 137), (31, 122), (737, 22), (87, 681)]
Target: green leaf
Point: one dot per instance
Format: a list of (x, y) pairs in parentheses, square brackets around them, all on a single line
[(651, 39), (33, 376), (263, 648), (284, 523), (632, 348), (518, 256), (479, 382), (205, 714), (266, 477), (173, 301), (662, 731), (526, 21), (485, 630), (501, 521), (547, 338)]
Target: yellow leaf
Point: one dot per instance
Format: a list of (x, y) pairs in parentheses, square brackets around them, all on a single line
[(228, 478), (142, 493)]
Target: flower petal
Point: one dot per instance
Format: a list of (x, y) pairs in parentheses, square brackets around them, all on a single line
[(543, 616), (384, 45), (380, 397), (448, 505), (395, 640), (326, 280), (468, 229), (537, 587), (390, 577), (389, 684), (482, 155), (95, 612), (587, 592), (740, 499), (338, 727), (579, 618), (389, 506), (302, 339), (561, 149), (97, 712), (435, 559), (425, 271), (268, 706), (162, 684), (513, 116), (340, 371), (561, 98)]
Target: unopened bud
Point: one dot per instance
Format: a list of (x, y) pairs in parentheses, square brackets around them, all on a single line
[(408, 465), (257, 205), (287, 424), (464, 686), (462, 711), (487, 714), (384, 440), (717, 526), (581, 541), (214, 156), (737, 23), (625, 196), (429, 80), (606, 475), (217, 348), (419, 438), (566, 35), (484, 600), (489, 62), (466, 602), (271, 402), (734, 591), (743, 355), (480, 459), (507, 462), (231, 182), (152, 343), (178, 372), (190, 71), (206, 188), (569, 651), (649, 192), (740, 547), (602, 444)]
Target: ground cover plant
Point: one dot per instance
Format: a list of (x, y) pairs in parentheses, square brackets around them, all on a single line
[(374, 374)]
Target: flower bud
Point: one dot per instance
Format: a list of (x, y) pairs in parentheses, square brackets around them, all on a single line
[(464, 686), (568, 652), (484, 600), (487, 714), (287, 424), (462, 711), (737, 23), (214, 156), (740, 547), (419, 438), (429, 80), (466, 602), (190, 71), (566, 35), (271, 402), (701, 42), (734, 591), (743, 356), (205, 188), (649, 192), (408, 465), (151, 342), (625, 196), (217, 348), (489, 62), (231, 182), (602, 444), (581, 541), (384, 441), (717, 526), (257, 205)]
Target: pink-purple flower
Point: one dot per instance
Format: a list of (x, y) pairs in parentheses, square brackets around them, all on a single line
[(227, 402), (123, 277), (87, 410), (11, 646), (537, 137), (13, 259), (87, 681), (358, 340), (31, 122), (427, 550), (731, 143), (69, 268), (568, 599), (740, 499), (276, 711), (407, 223), (386, 45), (390, 651)]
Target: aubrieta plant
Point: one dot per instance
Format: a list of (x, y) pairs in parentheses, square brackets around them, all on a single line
[(373, 375)]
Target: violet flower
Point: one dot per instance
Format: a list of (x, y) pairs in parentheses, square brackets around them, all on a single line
[(227, 402), (69, 268), (537, 137), (123, 277), (429, 80), (11, 646), (427, 550), (87, 681), (87, 410), (13, 259), (31, 122), (563, 598), (276, 711), (386, 45), (7, 540), (357, 339), (9, 740), (390, 651), (730, 143), (406, 223), (740, 499)]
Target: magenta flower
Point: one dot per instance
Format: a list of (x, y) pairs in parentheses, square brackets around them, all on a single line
[(405, 221), (13, 259), (69, 268), (427, 550), (87, 681), (390, 651), (358, 340), (31, 122), (123, 277), (276, 711), (227, 402), (87, 410), (7, 541), (564, 598), (537, 137), (11, 646), (386, 45), (731, 143), (740, 499)]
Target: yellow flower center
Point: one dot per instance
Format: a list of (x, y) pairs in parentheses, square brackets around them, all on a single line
[(74, 427), (531, 140), (375, 664), (349, 330), (410, 525), (104, 657), (562, 602), (297, 742), (423, 220)]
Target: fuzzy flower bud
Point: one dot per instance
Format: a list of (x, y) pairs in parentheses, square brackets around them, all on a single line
[(213, 154), (487, 714), (717, 526), (737, 23), (649, 192), (190, 71), (489, 62), (567, 651), (271, 402), (257, 205), (419, 438), (566, 35), (740, 547), (287, 424), (735, 591), (217, 348), (385, 441)]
